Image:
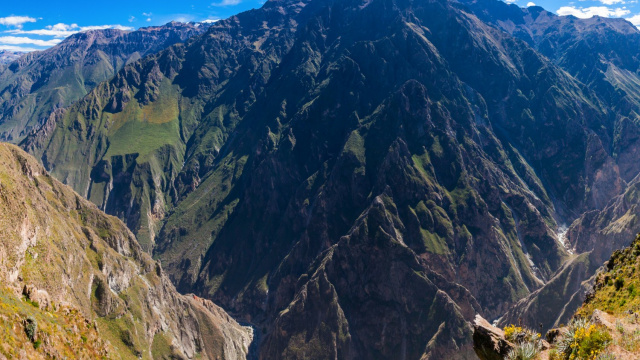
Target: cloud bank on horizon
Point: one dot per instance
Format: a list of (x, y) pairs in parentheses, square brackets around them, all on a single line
[(583, 9)]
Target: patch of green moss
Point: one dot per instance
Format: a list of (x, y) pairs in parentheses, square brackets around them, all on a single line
[(161, 347), (433, 243)]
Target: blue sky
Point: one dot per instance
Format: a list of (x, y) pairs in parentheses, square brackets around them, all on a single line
[(27, 25)]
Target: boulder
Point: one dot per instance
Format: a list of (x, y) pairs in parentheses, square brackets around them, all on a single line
[(39, 297), (489, 341)]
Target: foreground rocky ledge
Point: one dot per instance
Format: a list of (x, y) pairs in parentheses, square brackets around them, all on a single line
[(603, 337)]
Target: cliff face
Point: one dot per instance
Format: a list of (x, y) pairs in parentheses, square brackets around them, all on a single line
[(82, 269), (34, 85)]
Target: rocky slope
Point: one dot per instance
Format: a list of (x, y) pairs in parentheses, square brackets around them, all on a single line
[(605, 326), (614, 289), (34, 86), (295, 166), (77, 284)]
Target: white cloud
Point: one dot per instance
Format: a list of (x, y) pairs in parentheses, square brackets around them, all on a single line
[(16, 40), (132, 18), (227, 3), (612, 2), (16, 21), (635, 20), (209, 21), (64, 30), (530, 4), (181, 18), (104, 27), (585, 13), (17, 48)]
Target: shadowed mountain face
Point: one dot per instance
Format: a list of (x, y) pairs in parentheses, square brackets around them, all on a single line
[(33, 86), (359, 178), (604, 55)]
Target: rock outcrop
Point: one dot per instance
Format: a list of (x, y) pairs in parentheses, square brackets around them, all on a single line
[(489, 341)]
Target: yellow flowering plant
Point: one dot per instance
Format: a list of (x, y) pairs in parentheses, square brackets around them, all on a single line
[(519, 334), (511, 330), (583, 341)]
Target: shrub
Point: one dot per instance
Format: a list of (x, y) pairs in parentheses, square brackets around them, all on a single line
[(518, 334), (606, 356), (31, 302), (510, 331), (619, 326), (619, 283), (524, 351), (583, 340), (31, 328), (565, 344), (591, 341), (528, 343), (631, 290)]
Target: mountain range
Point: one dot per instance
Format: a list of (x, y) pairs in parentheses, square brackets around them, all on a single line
[(353, 178), (7, 56), (35, 85)]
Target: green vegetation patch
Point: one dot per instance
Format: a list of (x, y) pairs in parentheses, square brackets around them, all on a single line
[(136, 137), (618, 289)]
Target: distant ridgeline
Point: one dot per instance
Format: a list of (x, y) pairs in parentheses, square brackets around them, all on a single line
[(7, 57)]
